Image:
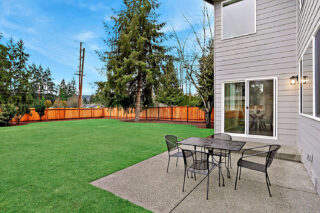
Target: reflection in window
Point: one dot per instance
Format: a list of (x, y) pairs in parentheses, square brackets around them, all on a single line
[(234, 107), (261, 100), (238, 18), (306, 81)]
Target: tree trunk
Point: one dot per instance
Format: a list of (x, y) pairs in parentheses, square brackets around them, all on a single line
[(208, 117), (138, 100)]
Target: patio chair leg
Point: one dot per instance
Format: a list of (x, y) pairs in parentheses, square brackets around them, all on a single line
[(219, 175), (222, 178), (208, 185), (184, 179), (268, 179), (268, 185), (230, 160), (195, 178), (240, 173), (177, 162), (168, 164), (235, 184)]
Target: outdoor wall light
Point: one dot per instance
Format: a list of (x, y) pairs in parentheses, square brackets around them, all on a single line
[(304, 79), (294, 79)]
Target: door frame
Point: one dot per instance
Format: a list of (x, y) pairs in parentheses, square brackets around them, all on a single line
[(275, 107)]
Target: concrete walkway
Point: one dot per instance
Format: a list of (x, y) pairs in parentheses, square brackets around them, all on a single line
[(147, 184)]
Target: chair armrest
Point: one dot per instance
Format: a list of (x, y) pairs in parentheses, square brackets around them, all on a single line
[(252, 155), (180, 139), (253, 148)]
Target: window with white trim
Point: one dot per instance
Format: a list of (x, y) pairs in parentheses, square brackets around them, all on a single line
[(317, 73), (309, 79), (238, 18), (306, 81)]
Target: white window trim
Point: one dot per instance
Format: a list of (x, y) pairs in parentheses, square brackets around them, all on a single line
[(275, 108), (313, 116), (246, 34), (301, 4)]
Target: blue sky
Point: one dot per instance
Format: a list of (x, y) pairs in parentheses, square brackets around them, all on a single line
[(52, 30)]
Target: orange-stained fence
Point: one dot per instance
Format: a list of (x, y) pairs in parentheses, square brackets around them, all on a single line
[(179, 113)]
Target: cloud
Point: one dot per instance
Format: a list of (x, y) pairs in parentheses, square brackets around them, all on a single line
[(13, 26), (85, 36)]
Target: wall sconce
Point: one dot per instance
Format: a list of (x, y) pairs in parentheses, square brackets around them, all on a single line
[(304, 79), (294, 79)]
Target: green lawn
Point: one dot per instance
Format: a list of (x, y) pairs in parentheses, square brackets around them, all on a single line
[(47, 167)]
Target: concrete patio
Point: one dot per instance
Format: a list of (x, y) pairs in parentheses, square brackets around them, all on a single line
[(148, 185)]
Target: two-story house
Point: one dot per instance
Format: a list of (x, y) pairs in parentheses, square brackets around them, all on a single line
[(267, 74)]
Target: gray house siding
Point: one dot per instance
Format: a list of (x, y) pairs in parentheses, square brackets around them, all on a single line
[(308, 130), (270, 52)]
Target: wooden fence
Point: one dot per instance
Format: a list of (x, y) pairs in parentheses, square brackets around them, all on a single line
[(181, 113)]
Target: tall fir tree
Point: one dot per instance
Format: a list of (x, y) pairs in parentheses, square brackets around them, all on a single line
[(63, 90), (134, 61), (169, 91), (20, 87), (5, 79)]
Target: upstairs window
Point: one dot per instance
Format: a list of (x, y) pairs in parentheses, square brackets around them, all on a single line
[(238, 18)]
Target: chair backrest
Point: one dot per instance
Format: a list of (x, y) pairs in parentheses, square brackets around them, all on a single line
[(171, 141), (222, 136), (196, 159), (273, 149)]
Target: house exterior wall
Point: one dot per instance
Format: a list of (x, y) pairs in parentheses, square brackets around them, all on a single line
[(308, 129), (270, 52)]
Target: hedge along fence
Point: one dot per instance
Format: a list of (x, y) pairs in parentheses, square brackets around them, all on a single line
[(179, 113)]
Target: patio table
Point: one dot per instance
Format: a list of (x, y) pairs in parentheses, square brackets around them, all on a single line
[(214, 143)]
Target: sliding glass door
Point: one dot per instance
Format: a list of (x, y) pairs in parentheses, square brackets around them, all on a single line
[(249, 107), (234, 107)]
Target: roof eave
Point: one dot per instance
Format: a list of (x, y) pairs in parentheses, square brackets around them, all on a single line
[(210, 1)]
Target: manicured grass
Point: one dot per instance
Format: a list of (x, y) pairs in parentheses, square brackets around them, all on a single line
[(48, 167)]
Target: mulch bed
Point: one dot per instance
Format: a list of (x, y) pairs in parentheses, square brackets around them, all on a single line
[(197, 124)]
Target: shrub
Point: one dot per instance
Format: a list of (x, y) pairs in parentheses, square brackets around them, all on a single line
[(48, 103), (40, 108), (21, 110), (59, 104), (72, 102), (7, 113)]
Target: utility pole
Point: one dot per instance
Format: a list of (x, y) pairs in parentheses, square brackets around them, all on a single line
[(81, 66)]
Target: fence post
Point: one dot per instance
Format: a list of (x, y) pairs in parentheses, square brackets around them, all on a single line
[(102, 112), (64, 109), (146, 113), (171, 112), (158, 113), (187, 113)]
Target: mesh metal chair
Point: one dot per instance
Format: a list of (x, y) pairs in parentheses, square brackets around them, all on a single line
[(256, 166), (197, 162), (223, 153), (173, 148)]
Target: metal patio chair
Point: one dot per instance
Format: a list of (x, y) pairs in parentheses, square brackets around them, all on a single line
[(197, 162), (224, 153), (270, 154), (172, 145)]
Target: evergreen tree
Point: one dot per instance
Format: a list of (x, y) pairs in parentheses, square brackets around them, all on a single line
[(71, 89), (19, 84), (63, 90), (133, 64), (169, 92), (4, 74)]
